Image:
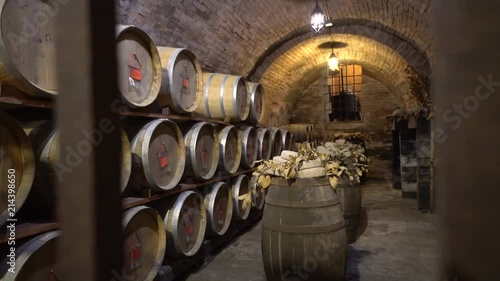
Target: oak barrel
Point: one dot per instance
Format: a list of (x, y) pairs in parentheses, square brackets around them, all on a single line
[(186, 223), (303, 226), (202, 151), (219, 205), (242, 200), (300, 131), (248, 136), (257, 105), (35, 260), (50, 160), (264, 144), (286, 139), (182, 80), (139, 66), (27, 48), (229, 149), (225, 97), (276, 141), (349, 194), (158, 154), (17, 164), (258, 194), (144, 243)]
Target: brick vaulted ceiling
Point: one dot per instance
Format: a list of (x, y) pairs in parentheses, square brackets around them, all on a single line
[(270, 40)]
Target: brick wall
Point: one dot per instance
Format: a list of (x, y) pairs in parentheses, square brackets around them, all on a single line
[(376, 104)]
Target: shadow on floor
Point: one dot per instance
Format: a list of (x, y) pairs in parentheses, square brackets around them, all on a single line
[(363, 223), (354, 259)]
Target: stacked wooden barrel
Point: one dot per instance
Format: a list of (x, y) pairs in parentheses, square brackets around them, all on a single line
[(242, 200), (248, 136), (202, 151), (28, 61), (144, 243), (219, 205), (302, 132), (258, 194), (139, 66), (28, 257), (286, 138), (225, 97), (257, 106), (158, 153), (230, 149), (16, 158), (182, 80), (185, 223), (276, 141), (264, 143)]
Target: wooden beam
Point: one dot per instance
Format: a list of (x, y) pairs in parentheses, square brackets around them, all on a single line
[(89, 206)]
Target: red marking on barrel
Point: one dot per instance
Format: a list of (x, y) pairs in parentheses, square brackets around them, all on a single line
[(220, 214), (189, 228), (163, 156), (52, 275), (204, 154), (135, 71), (185, 80)]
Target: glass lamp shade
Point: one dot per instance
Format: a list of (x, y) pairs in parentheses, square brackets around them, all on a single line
[(333, 62), (317, 19)]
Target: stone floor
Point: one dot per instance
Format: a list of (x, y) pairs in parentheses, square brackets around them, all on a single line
[(396, 242)]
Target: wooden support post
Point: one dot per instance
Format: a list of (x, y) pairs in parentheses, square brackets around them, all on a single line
[(89, 205), (424, 164), (466, 96)]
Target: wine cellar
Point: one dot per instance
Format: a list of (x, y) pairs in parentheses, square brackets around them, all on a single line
[(195, 140)]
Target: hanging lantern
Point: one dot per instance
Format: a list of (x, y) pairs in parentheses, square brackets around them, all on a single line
[(333, 62), (317, 18)]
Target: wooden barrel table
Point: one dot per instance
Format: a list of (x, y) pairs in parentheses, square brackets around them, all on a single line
[(186, 223), (28, 52), (35, 260), (139, 66), (349, 193), (219, 205), (229, 149), (303, 226), (241, 192), (225, 97), (258, 194), (182, 80), (17, 161), (264, 144), (202, 151), (248, 136), (158, 154), (276, 141), (257, 106), (144, 243)]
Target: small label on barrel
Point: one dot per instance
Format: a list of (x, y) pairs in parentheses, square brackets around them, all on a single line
[(134, 256), (52, 275), (163, 158), (229, 148), (135, 68), (220, 214), (204, 155), (189, 228)]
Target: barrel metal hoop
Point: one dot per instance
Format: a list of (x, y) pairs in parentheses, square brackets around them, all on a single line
[(221, 95), (207, 91), (305, 229), (316, 204)]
